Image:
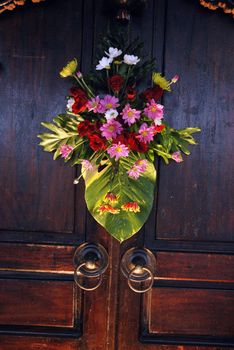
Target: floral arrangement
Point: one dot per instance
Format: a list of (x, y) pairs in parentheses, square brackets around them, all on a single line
[(114, 128)]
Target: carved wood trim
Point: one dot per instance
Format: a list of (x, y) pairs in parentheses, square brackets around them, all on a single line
[(226, 5), (12, 4)]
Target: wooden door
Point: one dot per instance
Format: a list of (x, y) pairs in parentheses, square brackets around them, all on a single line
[(43, 217), (191, 227)]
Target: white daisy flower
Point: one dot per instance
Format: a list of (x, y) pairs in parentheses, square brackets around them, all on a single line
[(113, 52), (104, 63), (70, 103), (111, 114), (131, 59)]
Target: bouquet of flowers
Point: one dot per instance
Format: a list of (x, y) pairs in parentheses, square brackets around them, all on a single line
[(114, 128)]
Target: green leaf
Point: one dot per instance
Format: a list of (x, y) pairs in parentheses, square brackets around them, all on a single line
[(159, 149), (64, 131), (124, 224), (188, 131), (50, 142), (183, 146)]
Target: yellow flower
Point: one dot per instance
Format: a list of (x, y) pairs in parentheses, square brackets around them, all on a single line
[(117, 62), (69, 69), (158, 79)]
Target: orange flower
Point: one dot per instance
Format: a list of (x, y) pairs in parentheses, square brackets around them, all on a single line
[(131, 206), (111, 197), (107, 208)]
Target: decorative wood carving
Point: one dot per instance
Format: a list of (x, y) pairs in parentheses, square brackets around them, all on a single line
[(226, 5), (11, 4)]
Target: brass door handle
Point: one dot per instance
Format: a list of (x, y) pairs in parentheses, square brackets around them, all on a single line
[(139, 267), (90, 263)]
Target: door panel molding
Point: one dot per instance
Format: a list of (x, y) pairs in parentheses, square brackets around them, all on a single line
[(198, 296), (45, 282)]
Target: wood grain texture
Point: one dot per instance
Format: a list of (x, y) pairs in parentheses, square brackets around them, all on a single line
[(192, 312), (36, 303), (196, 197), (40, 205), (37, 343), (195, 267), (29, 343), (38, 194), (100, 310), (39, 258)]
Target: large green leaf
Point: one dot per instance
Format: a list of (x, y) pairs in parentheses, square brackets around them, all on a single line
[(124, 224)]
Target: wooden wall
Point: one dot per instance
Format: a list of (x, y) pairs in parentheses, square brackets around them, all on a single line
[(43, 215)]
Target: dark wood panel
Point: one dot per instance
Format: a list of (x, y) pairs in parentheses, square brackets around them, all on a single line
[(45, 199), (39, 258), (30, 343), (36, 303), (38, 194), (196, 197), (129, 328), (191, 312), (195, 267)]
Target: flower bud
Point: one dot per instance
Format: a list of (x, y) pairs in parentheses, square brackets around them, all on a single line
[(79, 75), (69, 69), (175, 79)]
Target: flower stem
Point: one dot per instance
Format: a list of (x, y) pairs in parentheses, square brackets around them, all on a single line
[(83, 85), (108, 82), (126, 81), (90, 91)]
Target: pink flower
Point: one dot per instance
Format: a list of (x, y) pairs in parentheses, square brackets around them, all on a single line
[(141, 165), (86, 165), (118, 150), (138, 168), (146, 133), (95, 106), (177, 157), (111, 129), (154, 111), (134, 172), (65, 150), (130, 114), (109, 102)]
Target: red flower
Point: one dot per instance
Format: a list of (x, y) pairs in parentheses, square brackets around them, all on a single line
[(159, 128), (131, 93), (77, 93), (131, 206), (116, 82), (152, 93), (79, 107), (85, 128), (97, 126), (130, 140), (107, 208), (97, 143), (122, 139), (80, 98), (138, 146), (135, 144)]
